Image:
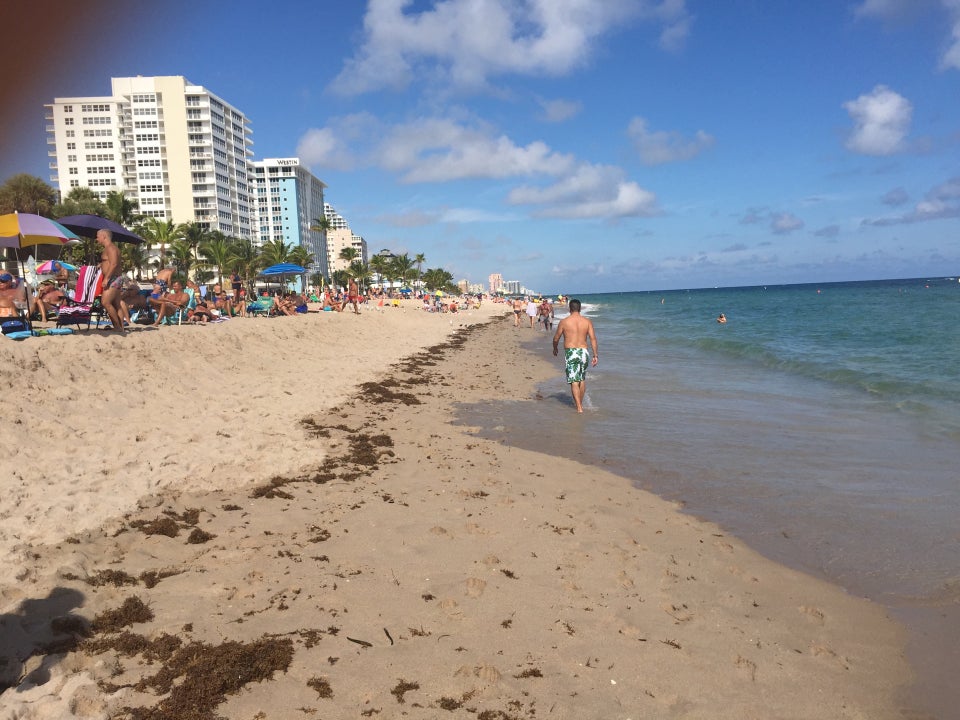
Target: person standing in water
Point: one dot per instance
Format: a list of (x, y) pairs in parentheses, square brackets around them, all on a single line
[(575, 331)]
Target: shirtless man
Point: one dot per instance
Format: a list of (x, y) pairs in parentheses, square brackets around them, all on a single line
[(354, 295), (575, 329), (168, 304), (112, 279)]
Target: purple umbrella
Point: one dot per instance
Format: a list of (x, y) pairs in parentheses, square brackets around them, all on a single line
[(87, 226)]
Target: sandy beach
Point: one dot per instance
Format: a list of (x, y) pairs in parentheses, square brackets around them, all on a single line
[(275, 518)]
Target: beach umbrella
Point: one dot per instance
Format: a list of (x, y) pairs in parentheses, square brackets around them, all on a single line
[(52, 267), (19, 230), (281, 269), (87, 226)]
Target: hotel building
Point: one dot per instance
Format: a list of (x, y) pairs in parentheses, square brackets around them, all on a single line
[(288, 200), (176, 148)]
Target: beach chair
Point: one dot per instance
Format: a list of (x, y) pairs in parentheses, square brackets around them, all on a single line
[(85, 305), (263, 306), (180, 314)]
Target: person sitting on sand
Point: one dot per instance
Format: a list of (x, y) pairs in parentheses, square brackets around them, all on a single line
[(48, 297), (11, 292), (329, 302), (169, 304), (221, 301)]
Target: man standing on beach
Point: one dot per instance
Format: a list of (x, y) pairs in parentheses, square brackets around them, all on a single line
[(354, 295), (112, 279), (575, 329)]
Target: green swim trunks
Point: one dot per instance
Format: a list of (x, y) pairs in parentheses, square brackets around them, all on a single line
[(577, 360)]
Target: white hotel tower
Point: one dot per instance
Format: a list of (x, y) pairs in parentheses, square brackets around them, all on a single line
[(176, 148)]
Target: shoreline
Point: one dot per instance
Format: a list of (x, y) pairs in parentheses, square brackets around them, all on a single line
[(413, 563)]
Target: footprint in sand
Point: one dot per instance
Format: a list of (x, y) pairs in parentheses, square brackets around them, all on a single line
[(475, 529), (813, 613), (748, 667), (451, 608), (475, 586), (437, 530), (491, 560)]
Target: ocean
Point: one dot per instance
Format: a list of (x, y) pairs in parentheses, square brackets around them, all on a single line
[(820, 424)]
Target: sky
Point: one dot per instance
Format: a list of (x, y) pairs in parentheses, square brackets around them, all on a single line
[(574, 145)]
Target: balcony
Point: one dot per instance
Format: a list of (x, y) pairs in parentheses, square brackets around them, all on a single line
[(53, 166)]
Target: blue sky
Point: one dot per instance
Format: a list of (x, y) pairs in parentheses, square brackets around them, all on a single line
[(583, 145)]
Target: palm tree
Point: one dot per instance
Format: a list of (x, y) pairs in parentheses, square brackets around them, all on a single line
[(419, 259), (437, 279), (378, 265), (216, 251), (360, 272), (403, 268), (349, 254), (120, 208), (161, 232), (134, 257), (193, 233), (246, 259), (301, 256), (275, 251), (80, 201), (182, 253), (321, 225)]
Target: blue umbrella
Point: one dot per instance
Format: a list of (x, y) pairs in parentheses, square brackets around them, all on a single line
[(284, 269)]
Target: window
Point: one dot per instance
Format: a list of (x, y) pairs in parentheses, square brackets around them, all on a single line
[(100, 157), (74, 183), (72, 171), (95, 108), (71, 133), (68, 108), (147, 137), (98, 132), (148, 163), (68, 121), (71, 146), (71, 158)]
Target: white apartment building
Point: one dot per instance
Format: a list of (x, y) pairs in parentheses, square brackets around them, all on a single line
[(340, 236), (288, 198), (176, 148)]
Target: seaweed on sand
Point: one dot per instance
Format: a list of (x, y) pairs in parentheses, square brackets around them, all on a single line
[(207, 674)]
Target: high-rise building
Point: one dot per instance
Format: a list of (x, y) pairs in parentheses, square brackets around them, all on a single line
[(340, 236), (176, 148), (495, 281), (289, 199)]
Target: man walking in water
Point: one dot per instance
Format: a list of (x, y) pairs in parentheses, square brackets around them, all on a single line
[(575, 329)]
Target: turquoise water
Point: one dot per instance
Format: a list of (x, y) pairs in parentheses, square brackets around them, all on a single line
[(897, 341), (821, 424)]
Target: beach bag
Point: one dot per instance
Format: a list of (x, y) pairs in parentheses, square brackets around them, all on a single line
[(13, 325)]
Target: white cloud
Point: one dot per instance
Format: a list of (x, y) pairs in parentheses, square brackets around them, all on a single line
[(942, 202), (881, 122), (468, 41), (783, 223), (439, 150), (658, 147), (951, 58), (591, 191), (559, 110), (893, 11)]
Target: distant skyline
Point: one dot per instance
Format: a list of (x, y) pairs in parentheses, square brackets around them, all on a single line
[(577, 146)]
